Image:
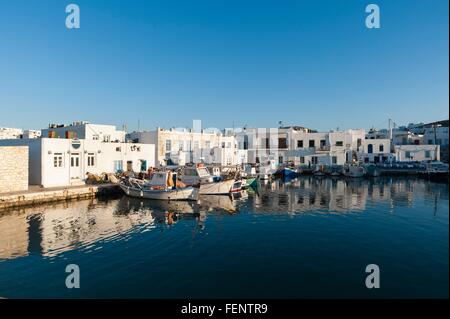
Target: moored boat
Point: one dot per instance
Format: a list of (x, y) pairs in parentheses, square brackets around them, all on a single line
[(199, 176), (162, 186), (354, 171)]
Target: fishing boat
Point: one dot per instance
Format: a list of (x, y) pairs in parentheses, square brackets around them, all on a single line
[(249, 182), (354, 171), (436, 172), (162, 186), (199, 176)]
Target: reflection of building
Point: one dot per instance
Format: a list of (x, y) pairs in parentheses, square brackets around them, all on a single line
[(13, 235)]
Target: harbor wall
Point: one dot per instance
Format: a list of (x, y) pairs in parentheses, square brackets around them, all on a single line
[(41, 196)]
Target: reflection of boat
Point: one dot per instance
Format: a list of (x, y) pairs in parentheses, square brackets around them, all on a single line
[(162, 186), (372, 170), (199, 175), (127, 204), (212, 202)]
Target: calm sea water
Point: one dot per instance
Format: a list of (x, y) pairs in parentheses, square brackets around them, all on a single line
[(307, 238)]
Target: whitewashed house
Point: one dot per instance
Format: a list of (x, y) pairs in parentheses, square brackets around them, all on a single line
[(63, 162), (181, 146), (376, 151), (85, 130), (417, 153), (9, 133)]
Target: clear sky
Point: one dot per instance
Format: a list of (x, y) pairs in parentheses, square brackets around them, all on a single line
[(311, 63)]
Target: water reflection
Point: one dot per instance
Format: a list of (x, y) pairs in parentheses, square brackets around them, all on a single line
[(51, 230)]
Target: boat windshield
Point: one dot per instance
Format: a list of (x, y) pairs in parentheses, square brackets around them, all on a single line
[(203, 172)]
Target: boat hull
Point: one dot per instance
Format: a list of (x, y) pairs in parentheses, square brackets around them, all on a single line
[(218, 188), (187, 193)]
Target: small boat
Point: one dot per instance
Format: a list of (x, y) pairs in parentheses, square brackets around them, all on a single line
[(217, 188), (162, 186), (436, 172), (237, 186), (199, 176), (354, 171), (249, 182), (288, 172)]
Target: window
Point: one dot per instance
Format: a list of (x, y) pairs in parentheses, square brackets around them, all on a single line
[(95, 137), (91, 159), (323, 143), (266, 142), (381, 148), (370, 148), (118, 149), (181, 146), (314, 159), (168, 145), (280, 159), (75, 160), (358, 142), (339, 143), (427, 154), (223, 144), (107, 138), (58, 160), (311, 143), (334, 159), (282, 142), (143, 165), (302, 159), (118, 166), (300, 143), (408, 154), (430, 142)]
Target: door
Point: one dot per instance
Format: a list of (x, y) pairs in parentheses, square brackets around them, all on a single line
[(75, 167)]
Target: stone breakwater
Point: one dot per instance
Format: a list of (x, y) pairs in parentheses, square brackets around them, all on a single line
[(40, 196)]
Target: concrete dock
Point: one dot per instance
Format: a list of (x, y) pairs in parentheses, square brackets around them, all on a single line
[(37, 195)]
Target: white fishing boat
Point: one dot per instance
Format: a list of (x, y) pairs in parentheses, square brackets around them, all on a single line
[(162, 186), (354, 171), (199, 176)]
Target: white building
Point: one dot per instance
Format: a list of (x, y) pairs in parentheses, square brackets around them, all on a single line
[(10, 133), (181, 146), (63, 162), (31, 134), (300, 145), (376, 151), (417, 153), (85, 130)]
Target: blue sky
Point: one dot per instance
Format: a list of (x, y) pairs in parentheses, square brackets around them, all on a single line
[(164, 63)]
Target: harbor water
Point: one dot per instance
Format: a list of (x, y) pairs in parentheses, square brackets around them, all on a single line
[(304, 238)]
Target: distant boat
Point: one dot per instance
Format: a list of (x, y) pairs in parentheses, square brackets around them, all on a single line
[(436, 172), (162, 186), (288, 172), (354, 171)]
